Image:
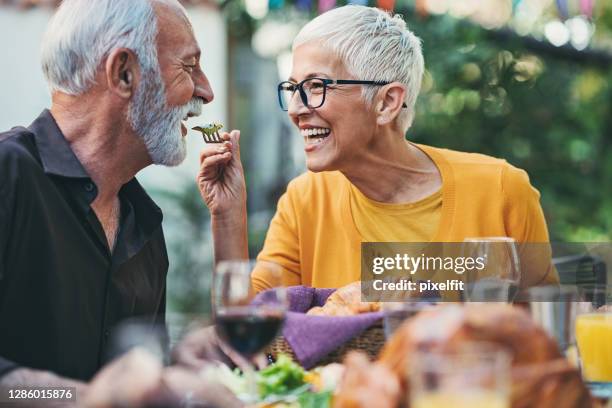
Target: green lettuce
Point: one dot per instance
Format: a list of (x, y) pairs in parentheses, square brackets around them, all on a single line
[(280, 378)]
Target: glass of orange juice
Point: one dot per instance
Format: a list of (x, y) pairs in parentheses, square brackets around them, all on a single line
[(594, 339), (472, 375)]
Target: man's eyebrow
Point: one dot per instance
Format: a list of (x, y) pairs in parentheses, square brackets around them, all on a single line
[(317, 75)]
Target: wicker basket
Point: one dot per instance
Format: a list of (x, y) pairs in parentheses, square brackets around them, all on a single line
[(370, 342)]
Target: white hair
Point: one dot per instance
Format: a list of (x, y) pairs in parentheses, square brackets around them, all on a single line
[(374, 46), (80, 37), (82, 33)]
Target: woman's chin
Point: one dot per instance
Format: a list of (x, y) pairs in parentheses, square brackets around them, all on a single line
[(317, 165)]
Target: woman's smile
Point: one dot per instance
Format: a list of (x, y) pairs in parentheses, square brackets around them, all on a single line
[(315, 138)]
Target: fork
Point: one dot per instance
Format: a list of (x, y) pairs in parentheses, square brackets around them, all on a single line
[(210, 132)]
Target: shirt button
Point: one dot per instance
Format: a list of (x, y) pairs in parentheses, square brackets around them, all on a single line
[(89, 187)]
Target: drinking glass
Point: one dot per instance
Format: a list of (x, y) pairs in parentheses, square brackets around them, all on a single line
[(499, 279), (244, 323), (474, 375), (395, 313), (555, 308), (594, 337)]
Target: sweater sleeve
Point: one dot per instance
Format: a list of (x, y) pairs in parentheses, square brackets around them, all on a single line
[(281, 246), (525, 222)]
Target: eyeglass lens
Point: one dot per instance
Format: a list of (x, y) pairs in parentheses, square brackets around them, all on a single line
[(312, 93)]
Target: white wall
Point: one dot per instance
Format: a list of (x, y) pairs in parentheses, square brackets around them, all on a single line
[(24, 94), (23, 91)]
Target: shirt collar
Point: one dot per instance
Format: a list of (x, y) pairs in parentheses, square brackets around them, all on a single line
[(141, 219), (149, 215), (55, 153), (58, 159)]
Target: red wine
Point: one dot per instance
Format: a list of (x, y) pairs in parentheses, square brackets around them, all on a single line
[(248, 331)]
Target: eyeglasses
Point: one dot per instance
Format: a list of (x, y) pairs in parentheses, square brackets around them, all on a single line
[(313, 90)]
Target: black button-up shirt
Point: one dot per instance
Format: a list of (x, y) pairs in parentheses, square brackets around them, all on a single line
[(61, 289)]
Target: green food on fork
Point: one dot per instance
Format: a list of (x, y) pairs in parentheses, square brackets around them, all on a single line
[(210, 132)]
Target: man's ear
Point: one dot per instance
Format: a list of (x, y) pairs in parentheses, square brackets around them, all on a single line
[(122, 72), (390, 102)]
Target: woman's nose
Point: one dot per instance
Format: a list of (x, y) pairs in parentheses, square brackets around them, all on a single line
[(296, 105)]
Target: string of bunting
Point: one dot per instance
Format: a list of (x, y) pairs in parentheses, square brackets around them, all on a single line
[(563, 8), (585, 7), (325, 5)]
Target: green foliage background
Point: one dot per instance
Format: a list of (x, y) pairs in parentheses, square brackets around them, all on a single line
[(547, 115)]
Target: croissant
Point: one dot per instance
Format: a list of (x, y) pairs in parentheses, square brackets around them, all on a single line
[(345, 301), (367, 384)]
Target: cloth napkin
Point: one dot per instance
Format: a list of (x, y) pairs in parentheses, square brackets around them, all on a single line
[(313, 337)]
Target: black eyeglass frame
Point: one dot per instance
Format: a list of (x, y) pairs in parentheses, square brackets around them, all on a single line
[(300, 87)]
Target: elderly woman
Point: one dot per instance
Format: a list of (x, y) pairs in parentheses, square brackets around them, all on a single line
[(356, 76)]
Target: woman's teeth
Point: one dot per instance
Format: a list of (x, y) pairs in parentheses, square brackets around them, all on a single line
[(314, 132), (315, 135)]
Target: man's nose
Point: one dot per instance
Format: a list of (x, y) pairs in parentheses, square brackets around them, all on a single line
[(202, 88)]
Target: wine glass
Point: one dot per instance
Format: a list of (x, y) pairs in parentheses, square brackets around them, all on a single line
[(499, 277), (245, 323)]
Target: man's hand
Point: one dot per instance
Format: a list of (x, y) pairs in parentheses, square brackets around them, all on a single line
[(199, 347), (139, 380), (202, 345), (221, 176)]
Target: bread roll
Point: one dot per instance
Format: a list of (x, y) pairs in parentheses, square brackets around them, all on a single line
[(345, 301)]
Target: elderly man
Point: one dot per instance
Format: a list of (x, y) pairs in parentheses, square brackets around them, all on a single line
[(81, 243)]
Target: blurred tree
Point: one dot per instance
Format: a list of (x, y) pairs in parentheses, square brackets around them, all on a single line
[(187, 229)]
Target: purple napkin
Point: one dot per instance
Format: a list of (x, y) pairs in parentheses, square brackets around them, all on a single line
[(313, 337)]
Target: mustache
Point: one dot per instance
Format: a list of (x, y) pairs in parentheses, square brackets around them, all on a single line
[(193, 107)]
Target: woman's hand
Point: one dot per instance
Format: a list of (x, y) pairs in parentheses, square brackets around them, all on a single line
[(222, 186), (221, 177)]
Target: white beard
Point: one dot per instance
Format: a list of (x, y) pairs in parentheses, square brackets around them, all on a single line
[(157, 125)]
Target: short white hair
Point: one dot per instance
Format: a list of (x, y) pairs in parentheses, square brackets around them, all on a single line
[(82, 33), (374, 45)]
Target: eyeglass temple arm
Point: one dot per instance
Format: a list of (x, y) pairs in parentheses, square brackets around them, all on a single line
[(357, 82)]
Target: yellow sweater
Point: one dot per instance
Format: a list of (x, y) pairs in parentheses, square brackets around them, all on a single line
[(385, 222), (314, 238)]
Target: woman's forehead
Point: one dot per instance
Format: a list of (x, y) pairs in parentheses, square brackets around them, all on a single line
[(313, 60)]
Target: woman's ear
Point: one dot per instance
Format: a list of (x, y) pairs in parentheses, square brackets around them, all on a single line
[(391, 103), (122, 72)]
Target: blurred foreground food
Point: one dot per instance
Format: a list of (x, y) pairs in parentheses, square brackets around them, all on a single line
[(541, 376)]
